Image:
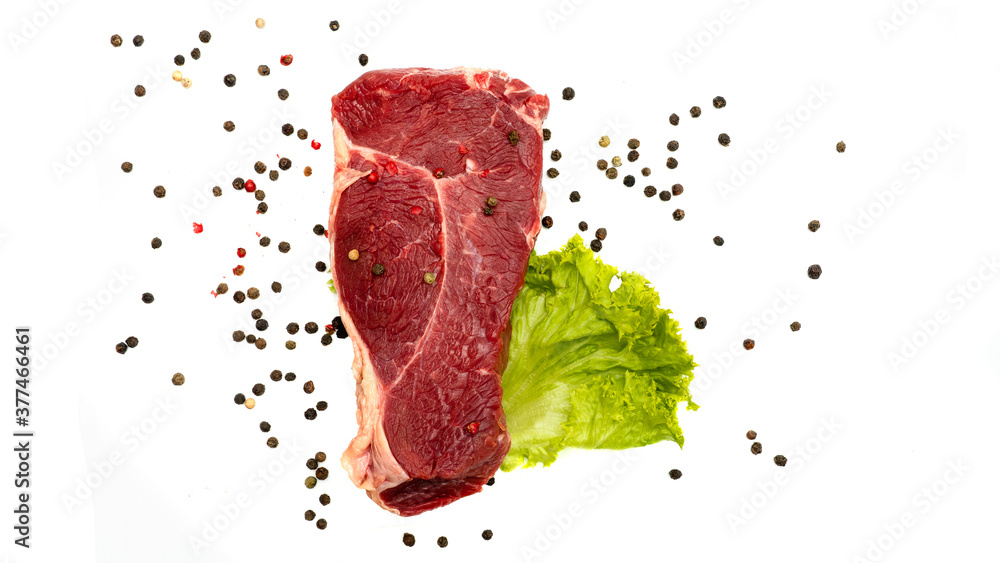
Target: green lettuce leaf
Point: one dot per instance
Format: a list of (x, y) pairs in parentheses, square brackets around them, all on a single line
[(590, 367)]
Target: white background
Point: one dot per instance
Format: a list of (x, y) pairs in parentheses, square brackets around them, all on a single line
[(67, 234)]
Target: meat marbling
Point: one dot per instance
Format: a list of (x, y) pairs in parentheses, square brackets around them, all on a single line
[(418, 152)]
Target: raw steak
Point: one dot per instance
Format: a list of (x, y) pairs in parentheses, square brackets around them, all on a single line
[(418, 152)]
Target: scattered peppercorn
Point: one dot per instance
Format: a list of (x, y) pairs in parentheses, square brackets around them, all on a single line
[(196, 53), (583, 226), (276, 287), (547, 222), (671, 163), (147, 298), (646, 171), (229, 80), (700, 322), (748, 344), (275, 375), (555, 155), (601, 233), (260, 343), (596, 245), (602, 164), (546, 134), (409, 540), (574, 196), (629, 181), (238, 183), (675, 474), (310, 515), (633, 143), (265, 241), (239, 296), (238, 270), (311, 464), (287, 129), (239, 399), (616, 161), (217, 191), (320, 457), (756, 448), (664, 195), (814, 272), (442, 542), (256, 314), (177, 379), (795, 326), (311, 327), (724, 139), (321, 524), (259, 167), (718, 241), (179, 60), (568, 93), (263, 70), (322, 473), (205, 36), (334, 25), (310, 414), (238, 336), (487, 535), (780, 460), (677, 189), (259, 195), (814, 225), (363, 59), (126, 167), (261, 324), (116, 40), (159, 191), (131, 342), (322, 406), (307, 171), (491, 482), (284, 247), (611, 173), (309, 387), (632, 156), (324, 499), (673, 145), (378, 269), (678, 214), (674, 119), (751, 435), (251, 339), (140, 90), (310, 482), (492, 201), (841, 146), (604, 141), (272, 442), (282, 94), (302, 134), (695, 111), (250, 403)]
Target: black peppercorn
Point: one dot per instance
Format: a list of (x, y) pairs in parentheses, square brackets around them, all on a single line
[(116, 40), (795, 326), (664, 195), (611, 173), (546, 134), (251, 339), (238, 336), (673, 145), (159, 191), (719, 102), (229, 80), (284, 163), (671, 163), (284, 247), (126, 167), (487, 535), (813, 225), (700, 322), (287, 129), (179, 60), (260, 343), (140, 90), (263, 70), (326, 340), (261, 324), (491, 482), (310, 414), (649, 191), (646, 171), (677, 189), (748, 344), (596, 245), (320, 266), (629, 181), (633, 143), (601, 233), (308, 387), (276, 287), (814, 272), (409, 540), (442, 542), (674, 119), (363, 59), (147, 298), (275, 375), (239, 399), (574, 196), (756, 448), (265, 426), (583, 226), (780, 460), (259, 194), (724, 139), (695, 111), (291, 328), (272, 442), (334, 25), (751, 435), (229, 126), (131, 342), (321, 472), (568, 93), (552, 173), (205, 36), (632, 156), (675, 474), (262, 208), (602, 164), (238, 183), (555, 155), (196, 53), (678, 214), (322, 406), (258, 389), (302, 134), (718, 241), (282, 94), (253, 293), (239, 296), (378, 269), (841, 146), (324, 499), (265, 241), (311, 327), (217, 191), (547, 222), (311, 464), (259, 167)]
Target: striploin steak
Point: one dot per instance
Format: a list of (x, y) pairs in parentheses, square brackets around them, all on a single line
[(427, 295)]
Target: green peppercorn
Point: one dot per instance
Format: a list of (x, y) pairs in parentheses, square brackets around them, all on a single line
[(616, 161), (310, 482), (488, 211), (378, 269), (633, 143), (492, 201)]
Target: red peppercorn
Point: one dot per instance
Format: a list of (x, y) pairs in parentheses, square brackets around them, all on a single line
[(391, 167), (286, 60), (315, 144), (329, 329), (238, 270), (250, 186), (462, 149), (473, 427), (241, 252), (439, 172), (373, 177), (197, 227)]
